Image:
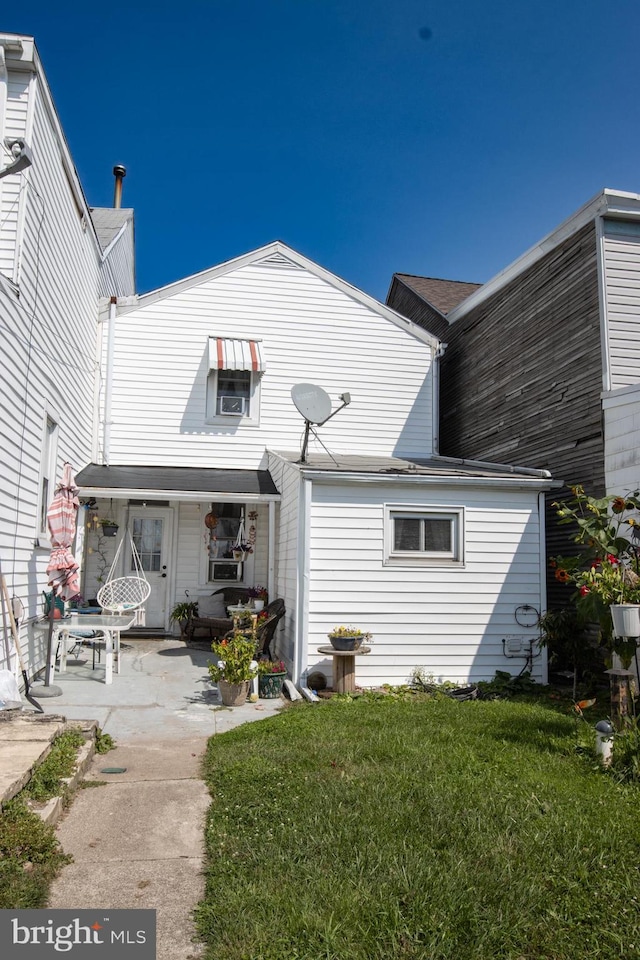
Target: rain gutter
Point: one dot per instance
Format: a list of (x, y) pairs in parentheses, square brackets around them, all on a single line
[(108, 390)]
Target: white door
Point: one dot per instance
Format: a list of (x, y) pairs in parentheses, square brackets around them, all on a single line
[(151, 532)]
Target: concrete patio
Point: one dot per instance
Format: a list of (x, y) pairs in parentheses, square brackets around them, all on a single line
[(137, 840)]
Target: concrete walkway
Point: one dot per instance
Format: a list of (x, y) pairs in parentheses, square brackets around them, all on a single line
[(138, 839)]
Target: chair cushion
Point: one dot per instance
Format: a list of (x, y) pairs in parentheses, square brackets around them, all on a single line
[(212, 606)]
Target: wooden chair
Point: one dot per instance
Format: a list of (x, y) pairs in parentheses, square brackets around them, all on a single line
[(265, 631)]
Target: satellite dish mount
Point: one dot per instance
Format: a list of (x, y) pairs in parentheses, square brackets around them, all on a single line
[(314, 405)]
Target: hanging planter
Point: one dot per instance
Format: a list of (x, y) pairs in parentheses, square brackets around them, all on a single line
[(109, 528)]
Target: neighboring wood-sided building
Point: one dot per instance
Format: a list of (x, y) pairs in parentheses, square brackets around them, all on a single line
[(542, 364)]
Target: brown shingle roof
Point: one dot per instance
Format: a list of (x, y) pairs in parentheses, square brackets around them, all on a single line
[(444, 295)]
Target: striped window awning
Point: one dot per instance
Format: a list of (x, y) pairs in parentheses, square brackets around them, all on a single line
[(225, 354)]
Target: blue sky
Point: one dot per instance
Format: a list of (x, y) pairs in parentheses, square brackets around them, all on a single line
[(438, 138)]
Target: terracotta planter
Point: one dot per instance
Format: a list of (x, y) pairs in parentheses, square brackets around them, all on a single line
[(626, 619), (233, 694), (270, 685)]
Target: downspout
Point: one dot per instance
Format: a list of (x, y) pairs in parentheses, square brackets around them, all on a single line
[(108, 388), (271, 550), (437, 354), (542, 514), (302, 600), (602, 305)]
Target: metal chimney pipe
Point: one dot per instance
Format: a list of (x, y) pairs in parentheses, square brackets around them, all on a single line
[(119, 173)]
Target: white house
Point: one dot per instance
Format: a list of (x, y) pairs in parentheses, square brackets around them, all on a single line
[(53, 267), (176, 406), (439, 559)]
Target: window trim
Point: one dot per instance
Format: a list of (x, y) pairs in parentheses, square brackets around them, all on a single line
[(421, 558), (251, 417), (48, 465)]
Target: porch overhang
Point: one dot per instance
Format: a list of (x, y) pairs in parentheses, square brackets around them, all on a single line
[(176, 483)]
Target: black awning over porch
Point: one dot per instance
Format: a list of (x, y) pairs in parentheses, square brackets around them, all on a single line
[(175, 482)]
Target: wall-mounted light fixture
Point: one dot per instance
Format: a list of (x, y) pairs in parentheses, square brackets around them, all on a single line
[(21, 156)]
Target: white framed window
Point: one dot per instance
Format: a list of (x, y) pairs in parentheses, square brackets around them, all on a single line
[(227, 520), (432, 536), (47, 472), (233, 381)]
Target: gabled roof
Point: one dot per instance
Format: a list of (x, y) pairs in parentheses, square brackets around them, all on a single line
[(444, 295), (108, 221), (279, 254)]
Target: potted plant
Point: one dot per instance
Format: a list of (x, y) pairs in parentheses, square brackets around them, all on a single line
[(606, 574), (271, 674), (348, 638), (234, 668), (259, 597), (109, 527), (182, 614)]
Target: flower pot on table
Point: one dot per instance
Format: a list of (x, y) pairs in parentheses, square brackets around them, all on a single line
[(345, 643), (233, 694), (270, 685), (626, 619)]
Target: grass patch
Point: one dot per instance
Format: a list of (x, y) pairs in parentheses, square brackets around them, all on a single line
[(60, 762), (416, 828), (30, 857)]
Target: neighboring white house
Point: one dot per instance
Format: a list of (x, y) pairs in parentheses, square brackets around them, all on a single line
[(52, 270), (439, 559)]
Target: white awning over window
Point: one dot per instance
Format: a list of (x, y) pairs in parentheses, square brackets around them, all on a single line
[(225, 354)]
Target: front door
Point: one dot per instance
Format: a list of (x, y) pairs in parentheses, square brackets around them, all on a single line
[(151, 532)]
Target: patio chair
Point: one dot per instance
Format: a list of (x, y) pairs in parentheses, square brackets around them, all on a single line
[(265, 631), (215, 627)]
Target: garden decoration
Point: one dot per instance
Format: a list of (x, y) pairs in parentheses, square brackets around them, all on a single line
[(235, 667), (348, 638)]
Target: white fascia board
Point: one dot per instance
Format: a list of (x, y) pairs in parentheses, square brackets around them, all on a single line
[(269, 249), (512, 483), (607, 203), (122, 493)]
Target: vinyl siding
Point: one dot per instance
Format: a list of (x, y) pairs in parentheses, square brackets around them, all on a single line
[(47, 363), (622, 440), (15, 125), (622, 285), (310, 331), (450, 621), (117, 275), (287, 479)]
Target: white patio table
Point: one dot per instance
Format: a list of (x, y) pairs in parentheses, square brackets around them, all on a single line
[(109, 624)]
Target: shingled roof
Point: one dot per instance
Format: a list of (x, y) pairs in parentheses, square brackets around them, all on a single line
[(444, 295)]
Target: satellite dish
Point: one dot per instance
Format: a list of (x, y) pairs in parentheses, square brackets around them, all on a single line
[(312, 402), (315, 406)]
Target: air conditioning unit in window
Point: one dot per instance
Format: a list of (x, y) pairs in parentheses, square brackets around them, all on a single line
[(231, 406)]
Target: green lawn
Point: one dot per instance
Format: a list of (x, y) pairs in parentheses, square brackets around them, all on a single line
[(417, 828)]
